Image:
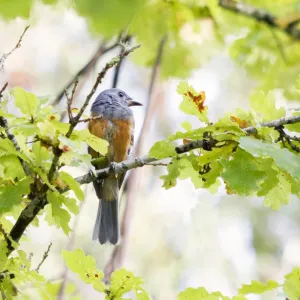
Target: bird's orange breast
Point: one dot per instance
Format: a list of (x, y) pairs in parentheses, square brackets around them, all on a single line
[(118, 134), (121, 139)]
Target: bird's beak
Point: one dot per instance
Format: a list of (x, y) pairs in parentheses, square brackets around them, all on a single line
[(134, 103)]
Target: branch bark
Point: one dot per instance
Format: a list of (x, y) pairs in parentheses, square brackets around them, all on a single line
[(206, 144), (261, 16)]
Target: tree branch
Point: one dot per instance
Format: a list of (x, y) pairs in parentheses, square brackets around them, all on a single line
[(18, 45), (118, 168), (274, 123), (261, 16), (26, 217), (206, 144)]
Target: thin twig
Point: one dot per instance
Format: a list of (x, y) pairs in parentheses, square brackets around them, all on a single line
[(284, 137), (70, 100), (118, 66), (86, 69), (157, 164), (3, 89), (261, 16), (90, 119), (44, 257), (156, 67), (18, 45)]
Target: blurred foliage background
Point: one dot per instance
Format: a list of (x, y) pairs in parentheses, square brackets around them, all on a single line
[(179, 237)]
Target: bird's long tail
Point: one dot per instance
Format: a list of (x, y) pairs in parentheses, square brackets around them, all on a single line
[(107, 223)]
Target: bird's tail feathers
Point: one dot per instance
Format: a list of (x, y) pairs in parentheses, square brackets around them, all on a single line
[(107, 225)]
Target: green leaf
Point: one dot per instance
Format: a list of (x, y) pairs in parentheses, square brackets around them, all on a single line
[(298, 83), (283, 158), (72, 205), (190, 108), (187, 170), (265, 105), (94, 142), (291, 285), (183, 87), (12, 168), (257, 287), (7, 147), (193, 102), (59, 214), (242, 173), (186, 125), (272, 173), (25, 101), (60, 127), (15, 8), (46, 130), (85, 267), (280, 194), (72, 184), (123, 281), (11, 195), (173, 173), (162, 149), (197, 294), (40, 153), (3, 254)]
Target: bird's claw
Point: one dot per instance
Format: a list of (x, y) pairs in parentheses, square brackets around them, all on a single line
[(113, 167)]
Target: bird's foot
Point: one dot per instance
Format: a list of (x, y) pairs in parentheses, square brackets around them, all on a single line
[(113, 168)]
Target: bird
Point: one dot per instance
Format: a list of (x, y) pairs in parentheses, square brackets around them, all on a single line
[(112, 120)]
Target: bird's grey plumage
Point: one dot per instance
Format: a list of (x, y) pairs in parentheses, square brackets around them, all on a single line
[(112, 105)]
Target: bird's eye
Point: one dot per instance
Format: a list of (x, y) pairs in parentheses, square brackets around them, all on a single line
[(121, 94)]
